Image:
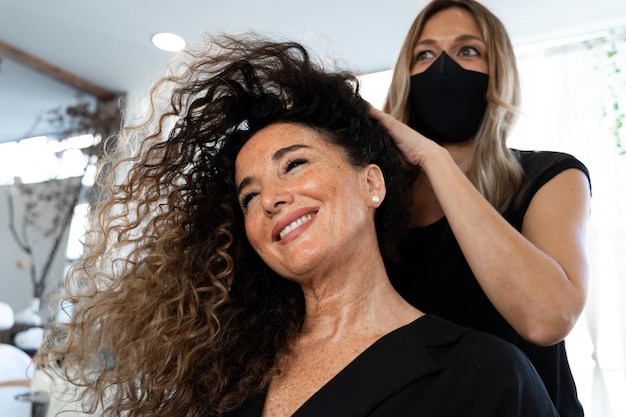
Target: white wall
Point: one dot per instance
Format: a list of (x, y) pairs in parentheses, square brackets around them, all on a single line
[(26, 98)]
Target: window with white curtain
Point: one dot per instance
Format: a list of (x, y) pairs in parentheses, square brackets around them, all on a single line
[(573, 100), (574, 96)]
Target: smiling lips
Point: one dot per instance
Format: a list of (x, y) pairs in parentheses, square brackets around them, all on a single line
[(293, 225)]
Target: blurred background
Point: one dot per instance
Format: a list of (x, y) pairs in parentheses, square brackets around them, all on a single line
[(67, 66)]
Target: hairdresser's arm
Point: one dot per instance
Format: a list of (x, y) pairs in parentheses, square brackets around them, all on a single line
[(537, 279)]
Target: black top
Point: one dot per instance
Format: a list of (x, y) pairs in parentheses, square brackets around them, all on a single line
[(435, 277), (432, 368)]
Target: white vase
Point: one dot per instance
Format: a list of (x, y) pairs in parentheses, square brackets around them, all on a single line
[(7, 318)]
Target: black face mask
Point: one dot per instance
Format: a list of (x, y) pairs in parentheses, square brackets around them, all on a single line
[(447, 102)]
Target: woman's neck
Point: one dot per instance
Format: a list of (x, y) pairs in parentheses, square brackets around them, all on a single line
[(367, 302), (344, 316)]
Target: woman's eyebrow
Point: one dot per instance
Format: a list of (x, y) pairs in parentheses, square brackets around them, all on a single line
[(470, 38), (460, 38), (275, 157), (282, 151)]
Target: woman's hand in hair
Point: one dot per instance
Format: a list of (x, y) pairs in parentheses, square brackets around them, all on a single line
[(413, 145)]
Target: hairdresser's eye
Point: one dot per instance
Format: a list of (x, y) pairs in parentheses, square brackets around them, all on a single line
[(246, 198), (469, 51), (424, 55), (294, 163)]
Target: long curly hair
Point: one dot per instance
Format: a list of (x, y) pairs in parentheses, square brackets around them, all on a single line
[(174, 313), (496, 172)]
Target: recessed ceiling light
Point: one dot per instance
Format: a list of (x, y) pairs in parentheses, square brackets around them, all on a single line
[(168, 41)]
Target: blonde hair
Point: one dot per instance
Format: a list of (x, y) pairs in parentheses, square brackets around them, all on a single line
[(495, 172)]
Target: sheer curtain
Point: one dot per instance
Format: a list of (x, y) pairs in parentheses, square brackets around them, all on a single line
[(570, 95), (571, 103)]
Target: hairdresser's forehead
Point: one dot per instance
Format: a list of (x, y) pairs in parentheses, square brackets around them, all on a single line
[(450, 23)]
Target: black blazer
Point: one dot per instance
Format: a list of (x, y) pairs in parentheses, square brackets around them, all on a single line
[(431, 368)]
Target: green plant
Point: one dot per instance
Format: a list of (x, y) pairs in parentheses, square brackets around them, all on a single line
[(611, 60)]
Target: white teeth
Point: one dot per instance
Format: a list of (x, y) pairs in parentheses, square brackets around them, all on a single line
[(295, 224)]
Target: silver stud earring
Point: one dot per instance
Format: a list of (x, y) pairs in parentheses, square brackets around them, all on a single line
[(375, 199)]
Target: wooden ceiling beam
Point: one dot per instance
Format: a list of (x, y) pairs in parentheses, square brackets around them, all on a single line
[(56, 72)]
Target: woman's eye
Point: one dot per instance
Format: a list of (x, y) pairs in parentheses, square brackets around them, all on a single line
[(423, 55), (293, 163), (469, 51), (246, 198)]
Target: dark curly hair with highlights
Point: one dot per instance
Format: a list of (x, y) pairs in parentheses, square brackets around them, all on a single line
[(174, 313)]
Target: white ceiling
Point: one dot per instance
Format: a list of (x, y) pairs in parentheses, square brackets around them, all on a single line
[(107, 42)]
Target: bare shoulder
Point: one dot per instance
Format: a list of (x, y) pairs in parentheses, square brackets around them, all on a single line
[(563, 200)]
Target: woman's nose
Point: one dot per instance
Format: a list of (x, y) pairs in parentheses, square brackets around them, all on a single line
[(275, 200)]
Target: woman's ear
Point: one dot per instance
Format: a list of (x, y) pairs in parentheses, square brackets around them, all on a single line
[(376, 189)]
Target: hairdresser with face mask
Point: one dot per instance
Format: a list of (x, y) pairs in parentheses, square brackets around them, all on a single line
[(497, 236)]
